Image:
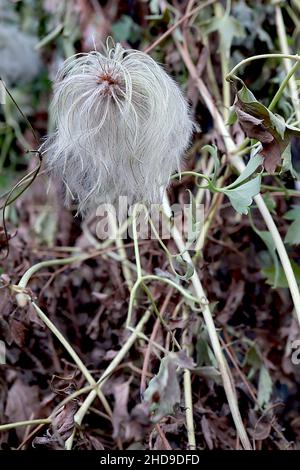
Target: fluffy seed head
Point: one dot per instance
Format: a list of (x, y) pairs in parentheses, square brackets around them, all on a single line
[(122, 125), (19, 62)]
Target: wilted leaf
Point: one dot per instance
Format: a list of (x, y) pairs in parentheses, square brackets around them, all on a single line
[(209, 373), (129, 426), (163, 391), (120, 413), (22, 403), (262, 426), (187, 267), (261, 124), (207, 432), (18, 332), (62, 427)]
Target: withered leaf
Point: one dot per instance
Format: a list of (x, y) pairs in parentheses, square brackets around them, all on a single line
[(22, 404), (261, 124), (163, 391), (129, 426), (120, 413), (18, 332), (207, 432)]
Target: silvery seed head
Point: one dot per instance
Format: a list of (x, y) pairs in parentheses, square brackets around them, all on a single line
[(19, 62), (7, 12), (122, 125)]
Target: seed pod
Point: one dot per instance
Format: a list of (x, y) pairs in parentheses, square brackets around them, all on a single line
[(122, 125)]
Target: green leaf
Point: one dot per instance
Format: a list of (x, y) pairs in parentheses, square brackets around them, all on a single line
[(252, 165), (241, 191), (267, 238), (280, 277), (228, 28), (253, 358), (205, 356), (213, 151), (241, 197), (264, 387), (287, 162), (278, 123), (293, 234), (125, 29), (232, 117), (195, 220), (270, 202)]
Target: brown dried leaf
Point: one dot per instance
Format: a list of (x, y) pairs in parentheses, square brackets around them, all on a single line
[(255, 129), (129, 426), (22, 404), (18, 332), (259, 123), (163, 391), (207, 432)]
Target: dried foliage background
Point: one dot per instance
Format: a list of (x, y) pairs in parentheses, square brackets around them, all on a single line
[(88, 300)]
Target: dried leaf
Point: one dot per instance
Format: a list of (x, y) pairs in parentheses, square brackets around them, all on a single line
[(120, 413), (207, 432), (261, 124), (22, 404), (163, 391)]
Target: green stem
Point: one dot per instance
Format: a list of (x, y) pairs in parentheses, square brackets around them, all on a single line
[(224, 53), (45, 264), (238, 163), (283, 41), (73, 355), (283, 85), (213, 335), (152, 277), (19, 424), (259, 57), (78, 418), (187, 386)]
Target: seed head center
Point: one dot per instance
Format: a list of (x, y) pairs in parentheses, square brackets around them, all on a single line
[(108, 78)]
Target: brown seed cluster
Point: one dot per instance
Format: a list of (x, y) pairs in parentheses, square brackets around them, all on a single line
[(108, 81)]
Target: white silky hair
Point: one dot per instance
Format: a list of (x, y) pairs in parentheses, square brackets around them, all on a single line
[(121, 128), (19, 62)]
